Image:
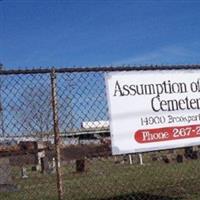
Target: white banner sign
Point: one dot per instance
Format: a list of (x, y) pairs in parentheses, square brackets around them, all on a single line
[(153, 110)]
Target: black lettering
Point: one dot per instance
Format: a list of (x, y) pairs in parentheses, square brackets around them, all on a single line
[(153, 104), (126, 90), (118, 89)]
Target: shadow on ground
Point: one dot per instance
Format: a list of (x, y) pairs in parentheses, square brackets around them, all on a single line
[(141, 196)]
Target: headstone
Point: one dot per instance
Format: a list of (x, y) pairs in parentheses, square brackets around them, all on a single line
[(45, 167), (124, 159), (154, 157), (6, 184), (167, 158), (80, 165), (179, 158), (24, 172), (53, 167), (5, 171)]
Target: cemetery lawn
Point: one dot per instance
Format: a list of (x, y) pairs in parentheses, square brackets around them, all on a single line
[(107, 180)]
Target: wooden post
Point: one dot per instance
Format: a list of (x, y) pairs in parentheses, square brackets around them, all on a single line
[(141, 159), (56, 135), (130, 159)]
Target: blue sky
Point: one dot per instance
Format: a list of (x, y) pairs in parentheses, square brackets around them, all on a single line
[(99, 32)]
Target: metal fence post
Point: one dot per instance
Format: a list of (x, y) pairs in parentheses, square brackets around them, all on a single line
[(56, 135)]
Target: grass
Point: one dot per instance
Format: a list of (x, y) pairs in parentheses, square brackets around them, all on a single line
[(107, 180)]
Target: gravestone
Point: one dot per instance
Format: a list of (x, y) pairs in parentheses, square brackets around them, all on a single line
[(80, 166), (39, 147), (40, 156), (6, 183), (180, 158), (45, 166), (53, 166), (24, 172)]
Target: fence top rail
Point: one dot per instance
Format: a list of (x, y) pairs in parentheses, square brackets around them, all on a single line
[(99, 69)]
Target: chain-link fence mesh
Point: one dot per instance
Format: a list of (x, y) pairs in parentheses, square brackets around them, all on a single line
[(30, 137), (26, 136)]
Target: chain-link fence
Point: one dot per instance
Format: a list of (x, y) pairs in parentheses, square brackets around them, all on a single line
[(55, 143)]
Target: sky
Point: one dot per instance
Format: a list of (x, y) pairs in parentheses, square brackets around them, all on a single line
[(98, 32)]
